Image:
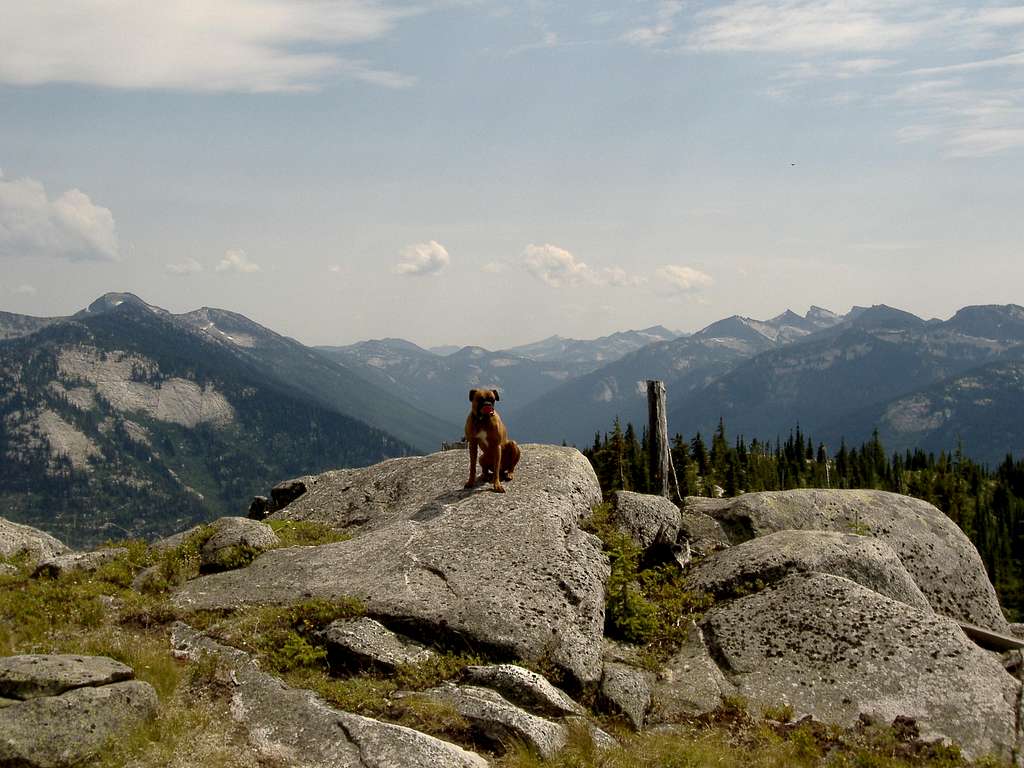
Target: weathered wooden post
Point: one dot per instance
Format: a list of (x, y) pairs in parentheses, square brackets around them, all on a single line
[(659, 452)]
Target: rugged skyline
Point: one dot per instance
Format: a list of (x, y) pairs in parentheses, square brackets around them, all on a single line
[(483, 173)]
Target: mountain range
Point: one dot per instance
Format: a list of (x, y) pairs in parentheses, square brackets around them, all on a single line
[(126, 417)]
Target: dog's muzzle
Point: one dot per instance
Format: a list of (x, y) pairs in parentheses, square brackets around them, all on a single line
[(487, 409)]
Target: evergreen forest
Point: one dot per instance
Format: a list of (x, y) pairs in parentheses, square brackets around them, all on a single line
[(986, 503)]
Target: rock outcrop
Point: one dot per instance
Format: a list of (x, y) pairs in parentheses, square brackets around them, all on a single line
[(17, 539), (525, 688), (497, 720), (83, 562), (294, 727), (834, 649), (62, 710), (365, 642), (758, 562), (234, 542), (938, 555), (512, 573)]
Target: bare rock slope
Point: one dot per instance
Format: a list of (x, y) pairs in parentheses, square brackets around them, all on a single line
[(511, 572)]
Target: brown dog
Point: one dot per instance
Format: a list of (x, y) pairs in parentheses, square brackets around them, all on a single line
[(486, 433)]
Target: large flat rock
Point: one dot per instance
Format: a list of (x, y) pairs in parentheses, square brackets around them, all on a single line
[(294, 727), (16, 539), (834, 649), (943, 562), (510, 572), (868, 561)]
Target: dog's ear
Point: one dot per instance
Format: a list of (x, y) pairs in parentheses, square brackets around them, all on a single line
[(496, 398), (472, 394)]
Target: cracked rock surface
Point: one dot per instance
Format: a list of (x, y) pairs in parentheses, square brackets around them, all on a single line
[(511, 572), (294, 727), (60, 710)]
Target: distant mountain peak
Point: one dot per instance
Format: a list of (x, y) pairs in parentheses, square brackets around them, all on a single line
[(788, 317), (111, 301), (820, 313), (880, 316)]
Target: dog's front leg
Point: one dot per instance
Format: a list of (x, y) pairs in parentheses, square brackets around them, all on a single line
[(498, 488), (472, 464)]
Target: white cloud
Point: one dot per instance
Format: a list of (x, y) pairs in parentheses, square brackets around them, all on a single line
[(683, 279), (559, 268), (25, 290), (70, 226), (227, 45), (555, 266), (429, 258), (235, 260), (187, 267)]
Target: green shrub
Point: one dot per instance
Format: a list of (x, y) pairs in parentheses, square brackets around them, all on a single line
[(645, 606)]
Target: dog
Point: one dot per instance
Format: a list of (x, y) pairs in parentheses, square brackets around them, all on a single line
[(487, 437)]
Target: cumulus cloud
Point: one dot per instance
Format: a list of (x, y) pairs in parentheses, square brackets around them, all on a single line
[(429, 258), (235, 260), (683, 279), (70, 226), (187, 267), (555, 266), (228, 45), (559, 268)]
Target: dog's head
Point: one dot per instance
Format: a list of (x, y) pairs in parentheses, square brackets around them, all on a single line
[(483, 401)]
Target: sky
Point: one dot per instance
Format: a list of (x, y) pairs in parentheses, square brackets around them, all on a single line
[(492, 173)]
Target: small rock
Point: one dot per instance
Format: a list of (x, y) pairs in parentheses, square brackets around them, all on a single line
[(30, 676), (7, 702), (524, 688), (365, 641), (627, 690), (65, 730), (702, 531), (144, 578), (258, 508), (601, 739), (498, 720), (234, 542), (1017, 630), (6, 569), (175, 539), (84, 562), (645, 518), (283, 494)]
